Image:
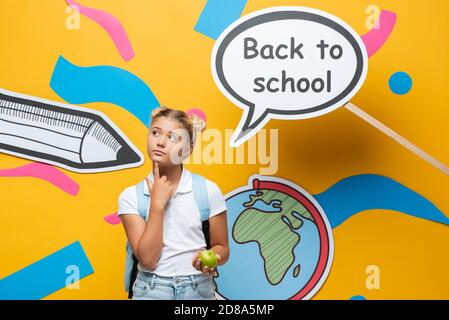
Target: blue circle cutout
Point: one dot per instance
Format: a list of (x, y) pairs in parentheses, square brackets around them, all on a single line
[(400, 83)]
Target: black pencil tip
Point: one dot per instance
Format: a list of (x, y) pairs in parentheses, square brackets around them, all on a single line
[(127, 155)]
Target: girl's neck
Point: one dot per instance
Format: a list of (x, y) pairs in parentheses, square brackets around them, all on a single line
[(172, 172)]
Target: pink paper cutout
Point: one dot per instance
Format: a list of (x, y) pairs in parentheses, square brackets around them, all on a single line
[(45, 172), (112, 26), (196, 112), (376, 37), (113, 219)]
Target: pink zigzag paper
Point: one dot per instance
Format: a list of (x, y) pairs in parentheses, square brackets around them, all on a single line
[(377, 36), (44, 172), (112, 26), (113, 219)]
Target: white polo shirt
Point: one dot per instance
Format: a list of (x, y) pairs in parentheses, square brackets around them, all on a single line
[(182, 231)]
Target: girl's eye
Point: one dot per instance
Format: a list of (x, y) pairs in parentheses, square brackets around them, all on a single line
[(155, 133), (173, 137)]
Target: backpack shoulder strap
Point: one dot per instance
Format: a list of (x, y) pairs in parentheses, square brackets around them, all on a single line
[(142, 200), (201, 196), (202, 200), (131, 260)]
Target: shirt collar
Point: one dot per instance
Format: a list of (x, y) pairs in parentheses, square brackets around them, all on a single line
[(185, 183)]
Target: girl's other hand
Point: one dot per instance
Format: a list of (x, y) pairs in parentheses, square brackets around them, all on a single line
[(196, 263)]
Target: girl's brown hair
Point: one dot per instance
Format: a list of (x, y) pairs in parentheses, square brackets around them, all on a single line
[(192, 124)]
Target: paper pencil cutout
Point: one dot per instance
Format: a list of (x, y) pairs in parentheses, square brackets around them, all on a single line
[(74, 138)]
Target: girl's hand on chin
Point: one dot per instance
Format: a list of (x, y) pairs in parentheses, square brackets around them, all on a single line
[(160, 188)]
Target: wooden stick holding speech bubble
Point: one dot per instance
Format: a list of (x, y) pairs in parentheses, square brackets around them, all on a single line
[(398, 138)]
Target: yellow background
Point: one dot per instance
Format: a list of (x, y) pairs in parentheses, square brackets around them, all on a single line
[(38, 219)]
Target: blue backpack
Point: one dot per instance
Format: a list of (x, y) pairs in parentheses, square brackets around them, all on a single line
[(202, 201)]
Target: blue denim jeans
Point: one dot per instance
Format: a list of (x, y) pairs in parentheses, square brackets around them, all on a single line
[(149, 286)]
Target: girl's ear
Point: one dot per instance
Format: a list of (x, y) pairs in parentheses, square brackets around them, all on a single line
[(184, 153), (191, 149)]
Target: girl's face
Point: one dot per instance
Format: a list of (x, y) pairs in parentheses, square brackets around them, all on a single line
[(166, 141)]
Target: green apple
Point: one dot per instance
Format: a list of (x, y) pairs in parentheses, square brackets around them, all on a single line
[(208, 259)]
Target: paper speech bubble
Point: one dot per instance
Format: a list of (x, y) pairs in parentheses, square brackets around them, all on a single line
[(287, 63)]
